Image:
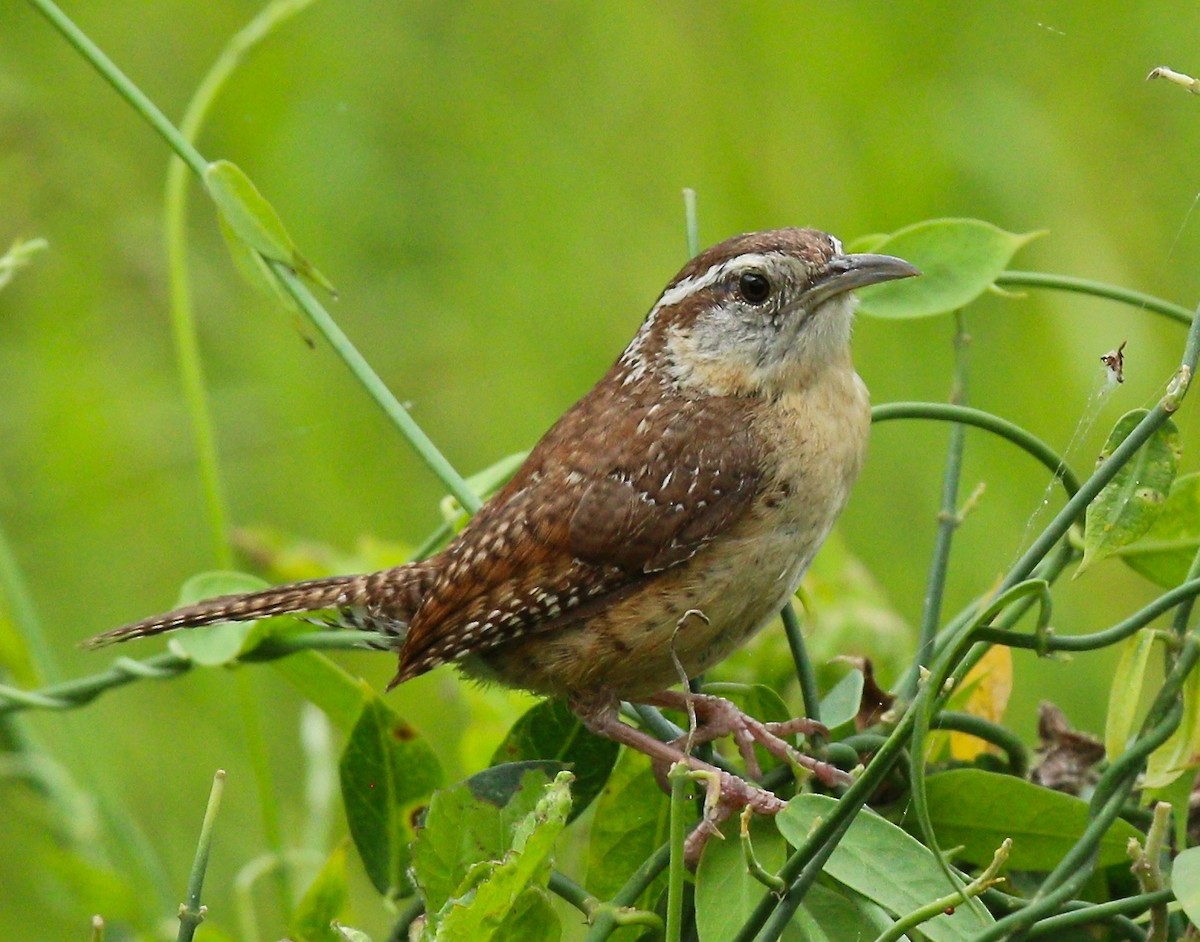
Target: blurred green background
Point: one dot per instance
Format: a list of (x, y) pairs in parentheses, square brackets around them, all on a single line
[(495, 190)]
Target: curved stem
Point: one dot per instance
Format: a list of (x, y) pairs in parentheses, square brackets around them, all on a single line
[(994, 733), (125, 670), (183, 319), (1098, 289), (1097, 639), (948, 412)]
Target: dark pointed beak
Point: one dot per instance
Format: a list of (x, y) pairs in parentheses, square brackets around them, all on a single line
[(847, 272)]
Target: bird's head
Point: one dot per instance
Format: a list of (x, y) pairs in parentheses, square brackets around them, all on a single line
[(758, 314)]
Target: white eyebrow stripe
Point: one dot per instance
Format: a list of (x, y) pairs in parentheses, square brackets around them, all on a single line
[(715, 273)]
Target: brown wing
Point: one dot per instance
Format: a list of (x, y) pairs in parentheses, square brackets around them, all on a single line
[(617, 490)]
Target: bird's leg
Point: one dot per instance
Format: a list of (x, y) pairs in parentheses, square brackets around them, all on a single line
[(718, 717), (729, 794)]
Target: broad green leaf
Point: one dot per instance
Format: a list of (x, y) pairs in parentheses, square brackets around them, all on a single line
[(469, 824), (1185, 881), (478, 913), (254, 221), (326, 899), (387, 775), (959, 260), (1180, 752), (977, 810), (840, 706), (726, 894), (836, 915), (1128, 505), (551, 731), (1165, 552), (220, 643), (1126, 692), (631, 821), (531, 919), (325, 685), (886, 865)]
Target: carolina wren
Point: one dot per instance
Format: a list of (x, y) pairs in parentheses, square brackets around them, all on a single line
[(665, 518)]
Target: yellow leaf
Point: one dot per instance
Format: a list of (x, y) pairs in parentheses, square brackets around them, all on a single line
[(987, 686)]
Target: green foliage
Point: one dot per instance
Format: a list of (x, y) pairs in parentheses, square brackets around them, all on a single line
[(1130, 503), (492, 874), (551, 731), (1165, 551), (388, 774), (884, 864), (326, 900), (959, 260), (975, 810), (253, 230)]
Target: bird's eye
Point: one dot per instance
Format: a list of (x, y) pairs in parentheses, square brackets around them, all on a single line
[(754, 287)]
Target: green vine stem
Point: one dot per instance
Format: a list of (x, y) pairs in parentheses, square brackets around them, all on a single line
[(1014, 749), (191, 913), (947, 519), (1097, 289), (125, 670), (964, 415), (606, 921), (358, 366), (1083, 914), (805, 673), (183, 318), (936, 907)]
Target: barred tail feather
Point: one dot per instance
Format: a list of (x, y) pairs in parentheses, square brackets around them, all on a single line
[(309, 596)]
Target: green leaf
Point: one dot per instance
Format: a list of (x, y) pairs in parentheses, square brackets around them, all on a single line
[(479, 912), (551, 731), (531, 919), (467, 825), (325, 685), (837, 914), (959, 260), (387, 775), (631, 821), (253, 220), (1126, 692), (1182, 749), (1165, 552), (726, 893), (1185, 881), (885, 864), (220, 643), (326, 899), (1128, 505), (977, 810), (840, 706)]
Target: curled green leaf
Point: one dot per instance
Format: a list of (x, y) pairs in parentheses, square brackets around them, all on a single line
[(1130, 503), (246, 214), (959, 261)]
